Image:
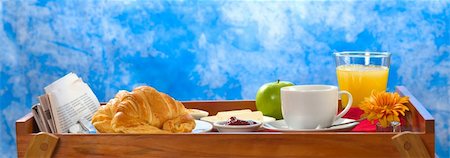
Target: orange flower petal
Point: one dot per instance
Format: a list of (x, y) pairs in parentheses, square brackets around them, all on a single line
[(384, 107)]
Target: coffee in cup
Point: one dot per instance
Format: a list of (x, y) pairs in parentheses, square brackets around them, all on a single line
[(311, 106)]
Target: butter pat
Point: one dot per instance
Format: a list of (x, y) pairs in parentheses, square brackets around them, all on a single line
[(229, 114), (197, 114)]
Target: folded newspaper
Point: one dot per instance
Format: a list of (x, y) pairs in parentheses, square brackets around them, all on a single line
[(67, 105)]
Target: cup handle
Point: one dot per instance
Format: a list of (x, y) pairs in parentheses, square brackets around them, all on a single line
[(349, 104)]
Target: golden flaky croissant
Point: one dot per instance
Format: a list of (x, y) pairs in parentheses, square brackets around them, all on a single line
[(144, 110)]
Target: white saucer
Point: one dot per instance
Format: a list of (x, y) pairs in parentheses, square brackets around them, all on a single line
[(202, 127), (214, 119), (222, 127), (280, 125)]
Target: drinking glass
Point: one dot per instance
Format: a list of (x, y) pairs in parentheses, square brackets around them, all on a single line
[(360, 73)]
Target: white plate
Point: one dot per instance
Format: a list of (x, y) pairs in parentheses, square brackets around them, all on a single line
[(280, 125), (202, 127), (267, 119)]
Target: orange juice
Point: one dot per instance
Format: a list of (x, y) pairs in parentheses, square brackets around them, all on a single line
[(360, 80)]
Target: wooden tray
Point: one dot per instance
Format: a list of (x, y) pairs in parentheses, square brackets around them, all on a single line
[(213, 144)]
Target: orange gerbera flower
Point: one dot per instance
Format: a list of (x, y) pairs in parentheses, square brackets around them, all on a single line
[(384, 107)]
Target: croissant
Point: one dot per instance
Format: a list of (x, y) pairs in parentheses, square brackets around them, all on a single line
[(144, 110)]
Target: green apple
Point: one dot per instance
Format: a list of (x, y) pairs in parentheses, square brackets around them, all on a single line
[(268, 99)]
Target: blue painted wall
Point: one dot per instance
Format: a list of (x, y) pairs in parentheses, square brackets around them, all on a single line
[(215, 49)]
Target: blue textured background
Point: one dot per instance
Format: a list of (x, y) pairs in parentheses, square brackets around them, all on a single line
[(215, 49)]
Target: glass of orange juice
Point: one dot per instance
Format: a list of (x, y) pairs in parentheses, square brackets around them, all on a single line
[(360, 73)]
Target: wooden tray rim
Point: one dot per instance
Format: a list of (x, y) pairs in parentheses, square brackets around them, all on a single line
[(25, 128)]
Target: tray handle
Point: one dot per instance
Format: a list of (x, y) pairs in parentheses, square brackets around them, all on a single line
[(42, 145), (410, 145)]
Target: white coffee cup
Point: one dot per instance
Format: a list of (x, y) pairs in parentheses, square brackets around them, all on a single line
[(311, 106)]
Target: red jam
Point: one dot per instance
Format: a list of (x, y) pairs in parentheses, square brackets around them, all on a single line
[(236, 122)]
